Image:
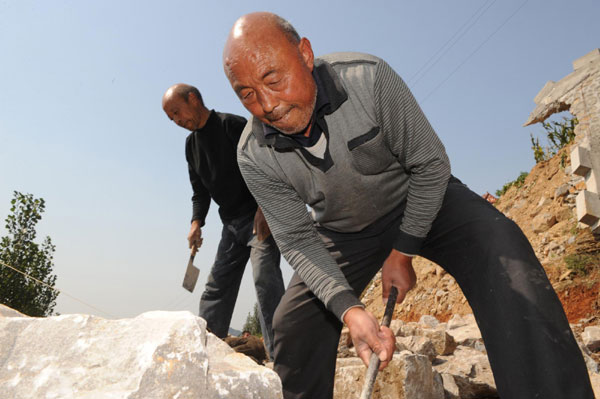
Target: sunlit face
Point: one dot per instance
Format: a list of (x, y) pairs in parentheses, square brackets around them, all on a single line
[(274, 82), (184, 114)]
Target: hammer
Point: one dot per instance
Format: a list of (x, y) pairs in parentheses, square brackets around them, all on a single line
[(374, 360)]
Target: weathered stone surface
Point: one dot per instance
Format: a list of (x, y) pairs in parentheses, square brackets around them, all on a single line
[(5, 311), (471, 372), (591, 338), (155, 355), (465, 332), (443, 342), (428, 321), (562, 191), (543, 222), (396, 327), (417, 344), (451, 390), (590, 363), (408, 376)]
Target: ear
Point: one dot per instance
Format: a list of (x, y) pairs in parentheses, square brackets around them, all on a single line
[(306, 52), (191, 99)]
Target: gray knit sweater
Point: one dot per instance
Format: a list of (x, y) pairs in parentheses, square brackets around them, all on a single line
[(385, 154)]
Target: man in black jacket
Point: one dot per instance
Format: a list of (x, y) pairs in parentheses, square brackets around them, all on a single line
[(214, 173)]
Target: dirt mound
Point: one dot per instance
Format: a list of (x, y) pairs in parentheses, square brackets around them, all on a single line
[(544, 207)]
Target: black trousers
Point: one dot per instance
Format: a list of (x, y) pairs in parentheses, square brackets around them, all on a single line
[(530, 345)]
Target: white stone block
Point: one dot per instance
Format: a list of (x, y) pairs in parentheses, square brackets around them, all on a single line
[(581, 162), (156, 355), (588, 207)]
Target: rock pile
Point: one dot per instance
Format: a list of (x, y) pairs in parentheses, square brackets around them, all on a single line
[(155, 355), (436, 361)]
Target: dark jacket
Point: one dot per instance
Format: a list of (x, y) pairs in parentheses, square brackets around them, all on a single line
[(213, 168)]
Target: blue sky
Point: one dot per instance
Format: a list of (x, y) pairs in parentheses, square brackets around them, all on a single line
[(81, 123)]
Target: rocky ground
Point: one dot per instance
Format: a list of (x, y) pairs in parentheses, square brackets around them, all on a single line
[(544, 207)]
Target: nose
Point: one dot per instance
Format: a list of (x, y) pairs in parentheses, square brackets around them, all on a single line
[(267, 101)]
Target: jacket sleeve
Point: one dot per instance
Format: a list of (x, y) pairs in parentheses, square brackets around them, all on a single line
[(201, 196), (297, 238), (417, 147)]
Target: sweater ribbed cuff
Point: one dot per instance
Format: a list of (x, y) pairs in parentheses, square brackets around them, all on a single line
[(408, 244), (343, 301)]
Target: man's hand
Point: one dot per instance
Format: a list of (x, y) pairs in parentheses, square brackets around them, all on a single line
[(261, 228), (397, 271), (195, 236), (369, 337)]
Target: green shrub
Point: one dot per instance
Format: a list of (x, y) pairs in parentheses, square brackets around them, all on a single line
[(581, 263), (558, 134), (518, 183)]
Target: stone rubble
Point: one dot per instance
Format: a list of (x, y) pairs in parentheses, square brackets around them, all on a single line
[(154, 355), (591, 338), (448, 355)]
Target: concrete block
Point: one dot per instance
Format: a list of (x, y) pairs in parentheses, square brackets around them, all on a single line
[(588, 207), (582, 62), (581, 162)]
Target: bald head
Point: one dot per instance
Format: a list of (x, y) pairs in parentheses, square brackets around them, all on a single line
[(270, 68), (183, 91), (258, 25), (183, 105)]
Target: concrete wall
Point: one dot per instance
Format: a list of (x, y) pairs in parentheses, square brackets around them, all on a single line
[(579, 93)]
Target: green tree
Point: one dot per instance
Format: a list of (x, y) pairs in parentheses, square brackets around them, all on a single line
[(19, 250), (252, 323)]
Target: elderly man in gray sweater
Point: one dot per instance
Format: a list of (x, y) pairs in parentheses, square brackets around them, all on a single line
[(344, 135)]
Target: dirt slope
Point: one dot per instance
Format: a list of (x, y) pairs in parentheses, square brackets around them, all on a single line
[(544, 208)]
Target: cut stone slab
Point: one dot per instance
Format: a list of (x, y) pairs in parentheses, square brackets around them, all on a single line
[(155, 355), (407, 376)]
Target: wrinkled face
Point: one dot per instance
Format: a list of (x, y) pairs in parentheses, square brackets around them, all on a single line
[(274, 82), (183, 113)]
